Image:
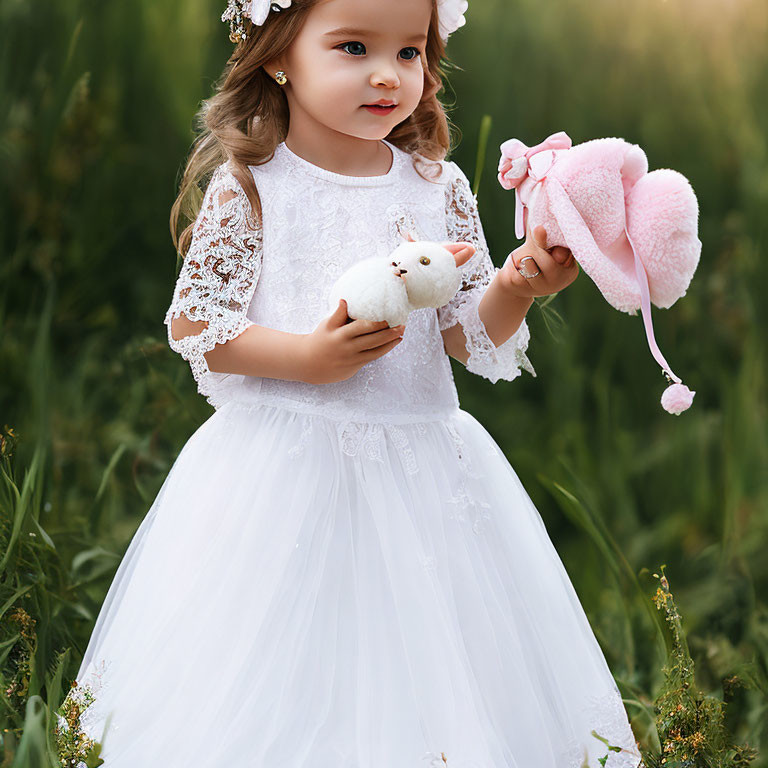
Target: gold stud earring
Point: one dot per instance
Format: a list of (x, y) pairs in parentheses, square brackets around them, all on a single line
[(280, 77)]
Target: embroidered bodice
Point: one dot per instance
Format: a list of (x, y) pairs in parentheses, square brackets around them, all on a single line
[(315, 224)]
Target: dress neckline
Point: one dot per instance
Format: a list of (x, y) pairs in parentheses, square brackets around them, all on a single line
[(341, 178)]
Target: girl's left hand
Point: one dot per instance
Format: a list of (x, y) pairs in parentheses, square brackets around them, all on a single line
[(557, 267)]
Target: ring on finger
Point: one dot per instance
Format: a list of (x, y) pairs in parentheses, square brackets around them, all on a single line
[(525, 274)]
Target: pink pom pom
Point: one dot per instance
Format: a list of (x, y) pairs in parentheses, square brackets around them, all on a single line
[(677, 398)]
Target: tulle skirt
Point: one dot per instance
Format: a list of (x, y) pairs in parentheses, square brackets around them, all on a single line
[(288, 603)]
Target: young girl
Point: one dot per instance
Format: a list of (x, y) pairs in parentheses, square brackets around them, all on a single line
[(342, 570)]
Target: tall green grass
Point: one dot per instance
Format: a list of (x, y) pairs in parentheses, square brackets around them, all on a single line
[(95, 119)]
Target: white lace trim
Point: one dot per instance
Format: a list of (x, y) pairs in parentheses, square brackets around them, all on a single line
[(218, 277), (485, 358), (606, 716), (305, 167), (94, 721), (365, 436), (610, 720)]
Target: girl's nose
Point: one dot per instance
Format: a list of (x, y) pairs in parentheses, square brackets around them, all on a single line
[(385, 76)]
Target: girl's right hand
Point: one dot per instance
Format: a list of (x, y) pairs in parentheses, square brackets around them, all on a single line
[(337, 349)]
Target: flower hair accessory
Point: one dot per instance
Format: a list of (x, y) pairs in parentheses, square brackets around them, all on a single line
[(255, 10), (450, 14)]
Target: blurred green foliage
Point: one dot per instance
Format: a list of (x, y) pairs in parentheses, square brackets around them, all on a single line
[(96, 107)]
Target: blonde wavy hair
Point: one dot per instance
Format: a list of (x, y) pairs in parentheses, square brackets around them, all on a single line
[(247, 117)]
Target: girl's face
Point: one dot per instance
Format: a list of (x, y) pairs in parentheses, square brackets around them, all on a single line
[(352, 53)]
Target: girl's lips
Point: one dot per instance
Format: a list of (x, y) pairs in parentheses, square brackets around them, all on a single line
[(379, 110)]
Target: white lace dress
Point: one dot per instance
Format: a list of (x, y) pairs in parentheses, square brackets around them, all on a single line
[(344, 575)]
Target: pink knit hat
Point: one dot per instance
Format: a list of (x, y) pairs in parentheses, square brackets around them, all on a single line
[(633, 232)]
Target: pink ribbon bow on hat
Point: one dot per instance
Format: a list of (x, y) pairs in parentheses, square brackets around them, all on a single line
[(519, 161)]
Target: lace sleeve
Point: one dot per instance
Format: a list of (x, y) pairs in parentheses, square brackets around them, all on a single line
[(218, 277), (485, 359)]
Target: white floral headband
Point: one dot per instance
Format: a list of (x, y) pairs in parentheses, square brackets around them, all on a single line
[(450, 14)]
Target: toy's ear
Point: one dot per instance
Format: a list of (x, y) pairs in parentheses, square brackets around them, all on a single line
[(408, 237), (462, 251)]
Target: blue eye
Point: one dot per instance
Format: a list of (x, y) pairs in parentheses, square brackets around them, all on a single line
[(343, 46)]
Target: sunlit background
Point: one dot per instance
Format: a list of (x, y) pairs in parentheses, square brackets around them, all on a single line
[(96, 108)]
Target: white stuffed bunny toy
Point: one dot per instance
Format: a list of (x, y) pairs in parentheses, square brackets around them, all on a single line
[(416, 274)]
